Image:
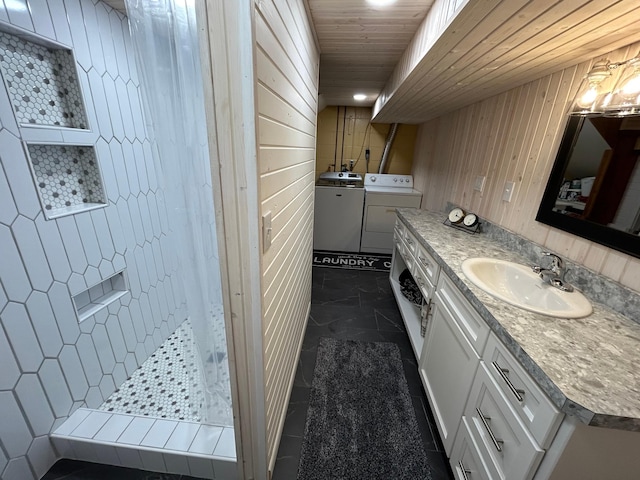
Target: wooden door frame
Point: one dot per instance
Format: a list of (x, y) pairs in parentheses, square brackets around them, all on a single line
[(227, 39)]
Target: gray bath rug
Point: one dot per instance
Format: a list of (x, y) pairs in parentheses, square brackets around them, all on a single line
[(360, 421)]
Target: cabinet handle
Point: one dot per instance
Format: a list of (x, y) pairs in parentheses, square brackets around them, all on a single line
[(409, 241), (496, 443), (419, 280), (463, 470), (424, 261), (503, 373)]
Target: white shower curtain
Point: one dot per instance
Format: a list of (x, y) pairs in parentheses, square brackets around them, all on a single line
[(164, 36)]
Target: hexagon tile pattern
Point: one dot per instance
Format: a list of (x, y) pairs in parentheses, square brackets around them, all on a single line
[(42, 83), (66, 175)]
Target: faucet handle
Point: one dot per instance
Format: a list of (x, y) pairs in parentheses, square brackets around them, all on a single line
[(557, 261)]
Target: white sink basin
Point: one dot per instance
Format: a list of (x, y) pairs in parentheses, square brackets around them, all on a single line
[(518, 285)]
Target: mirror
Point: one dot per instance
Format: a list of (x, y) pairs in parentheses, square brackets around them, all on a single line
[(594, 186)]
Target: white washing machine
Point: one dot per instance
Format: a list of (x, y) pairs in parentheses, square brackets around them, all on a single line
[(338, 212), (384, 193)]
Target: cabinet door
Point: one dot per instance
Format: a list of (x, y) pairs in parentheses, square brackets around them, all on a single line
[(447, 366)]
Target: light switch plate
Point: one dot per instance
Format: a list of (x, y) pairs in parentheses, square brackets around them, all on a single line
[(509, 187), (266, 230), (479, 185)]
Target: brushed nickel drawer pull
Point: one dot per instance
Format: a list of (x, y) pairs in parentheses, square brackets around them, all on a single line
[(409, 241), (463, 470), (503, 373), (424, 261), (496, 443)]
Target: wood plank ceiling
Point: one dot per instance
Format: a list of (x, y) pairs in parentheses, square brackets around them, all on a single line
[(489, 47), (360, 44)]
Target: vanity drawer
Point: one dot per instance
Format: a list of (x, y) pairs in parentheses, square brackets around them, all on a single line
[(410, 241), (532, 406), (427, 264), (422, 280), (466, 463), (474, 327), (505, 445)]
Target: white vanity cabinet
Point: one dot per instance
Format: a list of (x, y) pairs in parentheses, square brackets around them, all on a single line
[(409, 254)]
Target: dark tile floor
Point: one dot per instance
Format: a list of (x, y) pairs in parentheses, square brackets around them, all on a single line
[(355, 305), (348, 304), (74, 470)]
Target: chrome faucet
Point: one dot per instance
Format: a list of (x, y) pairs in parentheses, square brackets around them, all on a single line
[(554, 275)]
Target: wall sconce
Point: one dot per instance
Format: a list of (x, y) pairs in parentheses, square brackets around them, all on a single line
[(596, 98)]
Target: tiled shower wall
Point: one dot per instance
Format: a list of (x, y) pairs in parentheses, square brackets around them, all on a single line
[(50, 363)]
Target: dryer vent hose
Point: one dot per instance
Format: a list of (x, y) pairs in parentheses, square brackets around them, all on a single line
[(387, 147)]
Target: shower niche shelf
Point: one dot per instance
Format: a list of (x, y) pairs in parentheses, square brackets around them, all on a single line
[(42, 81), (91, 301), (67, 178)]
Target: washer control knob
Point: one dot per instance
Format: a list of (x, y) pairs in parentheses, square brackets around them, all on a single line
[(341, 174), (395, 179), (373, 179)]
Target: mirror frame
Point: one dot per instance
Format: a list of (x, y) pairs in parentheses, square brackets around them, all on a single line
[(610, 237)]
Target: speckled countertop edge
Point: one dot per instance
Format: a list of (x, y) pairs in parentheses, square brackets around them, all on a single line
[(586, 366)]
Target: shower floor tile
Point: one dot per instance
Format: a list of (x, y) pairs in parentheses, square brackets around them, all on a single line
[(166, 385)]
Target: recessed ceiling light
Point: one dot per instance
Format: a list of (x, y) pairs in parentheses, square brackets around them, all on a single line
[(359, 97), (380, 3)]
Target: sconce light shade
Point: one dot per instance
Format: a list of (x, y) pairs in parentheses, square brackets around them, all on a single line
[(592, 92), (625, 96)]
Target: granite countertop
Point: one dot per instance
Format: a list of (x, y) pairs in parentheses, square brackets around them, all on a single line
[(588, 366)]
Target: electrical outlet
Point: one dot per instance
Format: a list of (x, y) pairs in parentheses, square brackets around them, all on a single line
[(479, 185), (509, 187), (266, 231)]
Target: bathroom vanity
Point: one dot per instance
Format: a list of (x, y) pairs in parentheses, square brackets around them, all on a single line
[(516, 395)]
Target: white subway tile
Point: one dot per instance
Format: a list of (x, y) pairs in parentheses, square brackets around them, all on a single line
[(176, 463), (125, 109), (104, 28), (127, 225), (113, 428), (103, 348), (182, 436), (130, 363), (95, 43), (76, 284), (119, 262), (91, 425), (127, 330), (108, 173), (226, 446), (119, 374), (18, 12), (136, 110), (5, 18), (153, 461), (44, 324), (227, 469), (129, 457), (117, 236), (94, 397), (14, 432), (141, 353), (107, 386), (9, 373), (201, 467), (33, 257), (137, 320), (112, 104), (64, 312), (136, 220), (136, 430), (143, 273), (115, 337), (60, 23), (118, 159), (34, 404), (147, 315), (17, 469), (54, 249), (129, 153), (74, 420), (72, 370), (89, 240), (19, 176), (41, 18), (78, 33), (7, 116), (55, 387), (73, 243), (12, 272), (41, 455), (159, 434), (145, 214), (106, 270), (89, 358), (101, 227), (133, 72), (85, 451), (117, 35), (100, 105), (22, 337), (206, 439), (107, 454)]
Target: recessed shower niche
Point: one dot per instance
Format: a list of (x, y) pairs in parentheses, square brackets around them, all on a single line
[(67, 178), (42, 82)]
